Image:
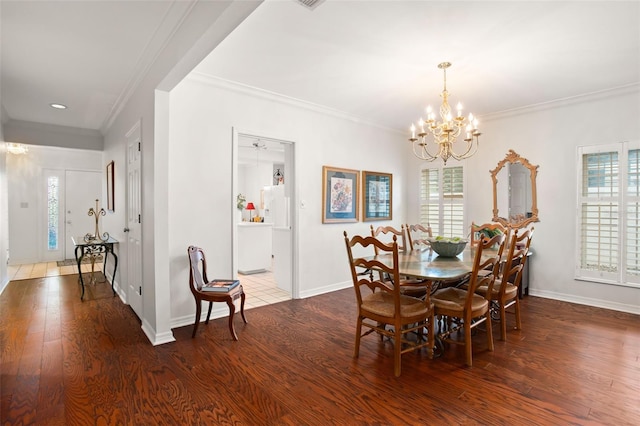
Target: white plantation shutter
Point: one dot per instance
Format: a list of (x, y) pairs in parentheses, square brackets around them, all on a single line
[(430, 199), (453, 206), (632, 221), (608, 208), (442, 200)]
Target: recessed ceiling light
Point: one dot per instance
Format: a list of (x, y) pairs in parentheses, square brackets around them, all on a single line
[(58, 106)]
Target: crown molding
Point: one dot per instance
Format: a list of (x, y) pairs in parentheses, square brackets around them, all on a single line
[(562, 102), (233, 86)]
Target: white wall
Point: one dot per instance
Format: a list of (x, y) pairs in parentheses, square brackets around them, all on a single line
[(549, 136), (51, 135), (27, 238), (204, 25), (4, 210), (203, 113), (251, 180)]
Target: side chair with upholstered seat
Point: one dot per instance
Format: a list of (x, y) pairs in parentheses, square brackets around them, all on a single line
[(198, 278), (505, 289), (463, 309), (381, 304)]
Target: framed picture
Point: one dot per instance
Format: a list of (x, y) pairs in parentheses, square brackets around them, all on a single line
[(376, 195), (110, 197), (340, 195)]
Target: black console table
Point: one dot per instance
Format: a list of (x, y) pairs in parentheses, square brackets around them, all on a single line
[(94, 248)]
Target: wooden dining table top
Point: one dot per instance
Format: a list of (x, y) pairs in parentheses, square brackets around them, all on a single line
[(426, 264)]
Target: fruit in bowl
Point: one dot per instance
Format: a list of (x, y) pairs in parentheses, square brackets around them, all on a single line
[(447, 246)]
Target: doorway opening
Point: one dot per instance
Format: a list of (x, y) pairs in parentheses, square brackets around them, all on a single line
[(263, 223)]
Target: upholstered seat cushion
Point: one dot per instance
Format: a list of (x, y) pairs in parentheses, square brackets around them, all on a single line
[(454, 298), (381, 303), (509, 292)]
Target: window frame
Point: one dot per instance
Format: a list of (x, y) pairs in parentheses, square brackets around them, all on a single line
[(622, 200)]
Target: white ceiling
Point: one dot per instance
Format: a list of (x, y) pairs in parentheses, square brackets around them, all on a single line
[(86, 55), (376, 60)]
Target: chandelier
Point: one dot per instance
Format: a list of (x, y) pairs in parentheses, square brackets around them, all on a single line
[(17, 148), (444, 133)]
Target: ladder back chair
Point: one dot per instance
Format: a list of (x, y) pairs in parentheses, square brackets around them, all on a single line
[(462, 309), (408, 286), (505, 289), (417, 236), (380, 304), (197, 278), (486, 230)]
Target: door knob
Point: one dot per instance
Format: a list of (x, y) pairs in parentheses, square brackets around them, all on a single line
[(126, 229)]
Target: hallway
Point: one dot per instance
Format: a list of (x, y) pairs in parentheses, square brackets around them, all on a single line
[(260, 288)]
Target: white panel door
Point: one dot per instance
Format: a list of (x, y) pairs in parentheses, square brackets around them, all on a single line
[(134, 221), (82, 188)]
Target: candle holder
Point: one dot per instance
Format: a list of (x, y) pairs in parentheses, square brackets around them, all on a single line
[(96, 235)]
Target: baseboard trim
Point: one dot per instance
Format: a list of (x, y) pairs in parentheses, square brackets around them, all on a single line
[(597, 303)]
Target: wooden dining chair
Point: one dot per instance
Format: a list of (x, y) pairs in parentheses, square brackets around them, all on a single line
[(409, 286), (505, 289), (463, 309), (198, 278), (486, 230), (387, 233), (381, 304), (417, 236)]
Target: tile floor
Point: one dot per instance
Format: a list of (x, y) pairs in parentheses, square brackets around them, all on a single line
[(48, 269), (260, 288)]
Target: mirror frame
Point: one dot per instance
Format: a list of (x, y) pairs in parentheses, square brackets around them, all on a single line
[(512, 157)]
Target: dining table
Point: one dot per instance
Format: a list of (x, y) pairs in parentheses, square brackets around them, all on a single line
[(426, 264), (438, 271)]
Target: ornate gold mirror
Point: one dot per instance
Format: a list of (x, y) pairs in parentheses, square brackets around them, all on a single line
[(514, 191)]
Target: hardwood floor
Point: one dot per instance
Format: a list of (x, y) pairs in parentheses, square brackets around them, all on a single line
[(69, 362), (262, 286)]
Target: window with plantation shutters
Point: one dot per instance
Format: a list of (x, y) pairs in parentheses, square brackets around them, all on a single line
[(608, 214), (442, 200)]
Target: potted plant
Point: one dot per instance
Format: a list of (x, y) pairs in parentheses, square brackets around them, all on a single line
[(241, 201)]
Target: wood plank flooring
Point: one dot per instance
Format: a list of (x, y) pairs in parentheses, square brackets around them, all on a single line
[(67, 362)]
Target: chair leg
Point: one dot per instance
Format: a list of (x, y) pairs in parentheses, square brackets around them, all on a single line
[(503, 321), (517, 308), (198, 312), (356, 351), (467, 342), (208, 313), (489, 331), (431, 338), (242, 297), (397, 350), (232, 310)]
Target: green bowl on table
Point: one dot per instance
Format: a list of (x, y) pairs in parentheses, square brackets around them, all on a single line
[(447, 247)]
